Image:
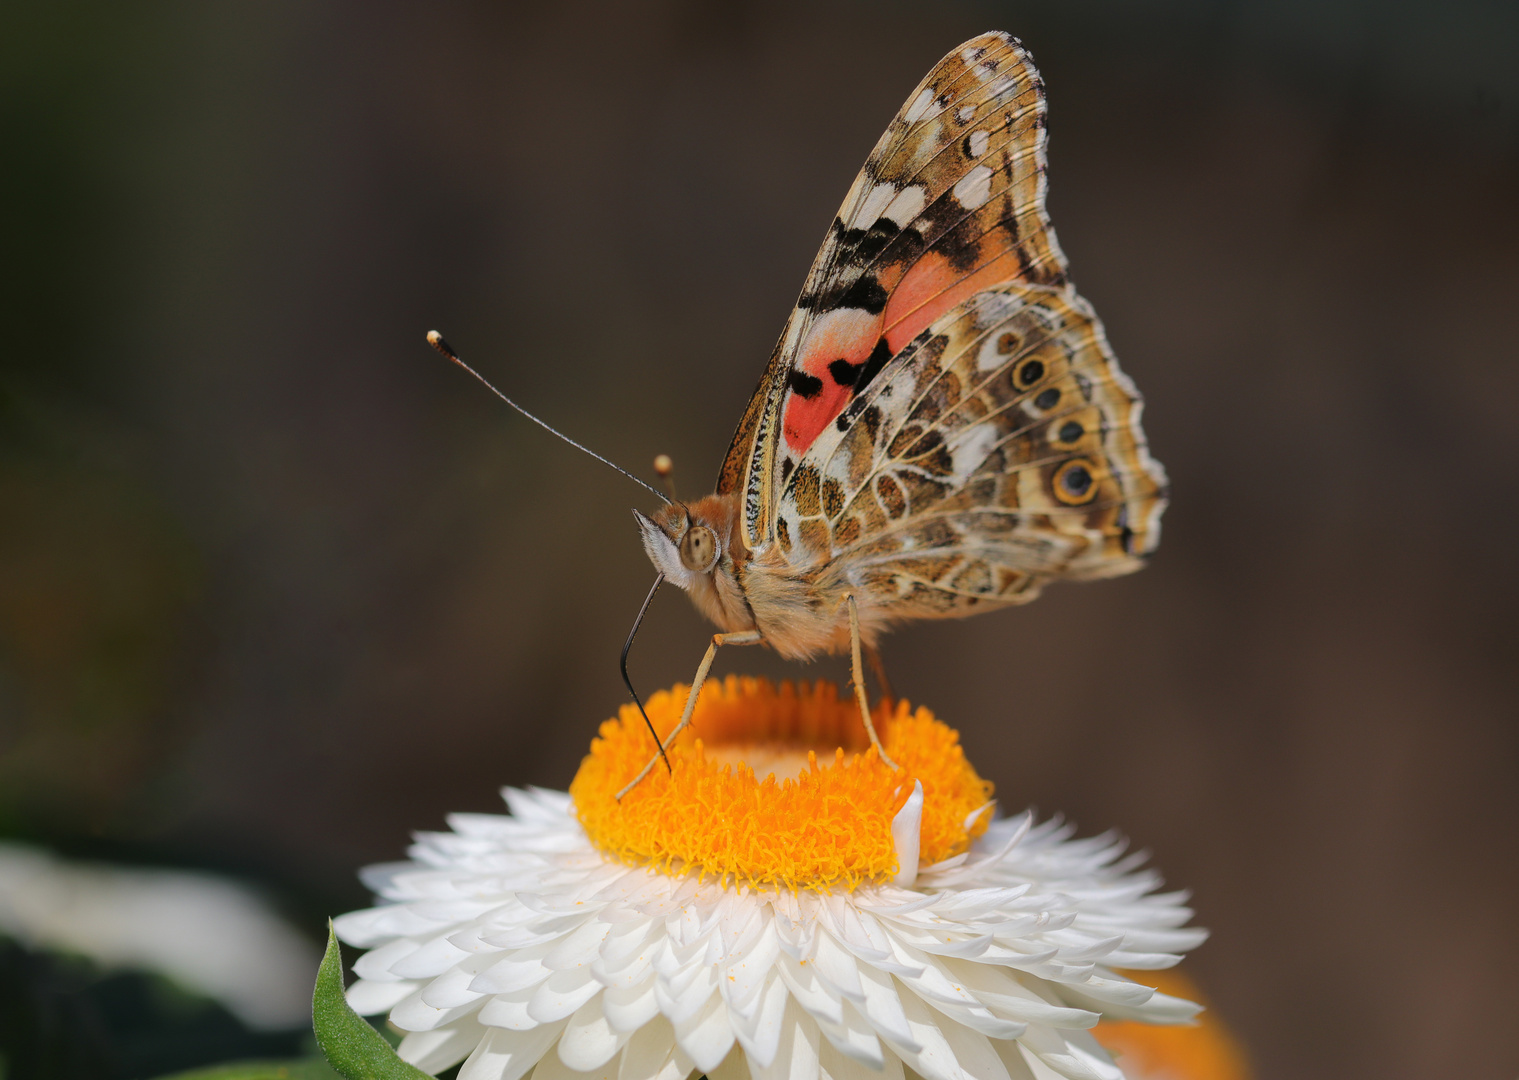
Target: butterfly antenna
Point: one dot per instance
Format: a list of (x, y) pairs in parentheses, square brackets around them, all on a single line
[(435, 339), (659, 580)]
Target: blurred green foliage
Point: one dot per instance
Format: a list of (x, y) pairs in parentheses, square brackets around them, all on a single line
[(64, 1018), (98, 581)]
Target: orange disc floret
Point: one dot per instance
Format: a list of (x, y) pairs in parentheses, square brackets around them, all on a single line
[(777, 786), (1205, 1050)]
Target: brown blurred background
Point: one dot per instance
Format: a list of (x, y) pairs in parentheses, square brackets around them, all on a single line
[(278, 586)]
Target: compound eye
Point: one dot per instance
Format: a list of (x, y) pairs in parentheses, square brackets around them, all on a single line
[(698, 551)]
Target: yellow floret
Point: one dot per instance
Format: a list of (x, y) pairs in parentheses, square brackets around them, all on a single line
[(818, 811)]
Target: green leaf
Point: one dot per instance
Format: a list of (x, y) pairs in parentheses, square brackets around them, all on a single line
[(356, 1050), (294, 1069)]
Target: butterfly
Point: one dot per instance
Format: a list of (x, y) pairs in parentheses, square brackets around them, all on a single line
[(942, 428)]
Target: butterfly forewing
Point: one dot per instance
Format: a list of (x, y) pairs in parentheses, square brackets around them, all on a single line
[(949, 202)]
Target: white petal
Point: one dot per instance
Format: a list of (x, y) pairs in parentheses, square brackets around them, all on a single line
[(748, 970), (561, 994), (950, 1051), (510, 1011), (549, 1067), (378, 925), (367, 997), (375, 964), (706, 1037), (883, 1008), (1072, 1054), (589, 1041), (647, 1053), (1008, 998), (796, 1058), (578, 948), (1018, 1064), (732, 1067), (810, 992), (834, 1065), (628, 1008), (414, 1014), (451, 989), (760, 1033), (836, 967), (377, 878), (526, 935), (434, 1051), (627, 942), (685, 993), (855, 1039), (516, 970), (937, 987), (907, 834), (508, 1055)]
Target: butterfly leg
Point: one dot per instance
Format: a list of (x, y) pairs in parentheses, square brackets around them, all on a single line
[(743, 637), (859, 683)]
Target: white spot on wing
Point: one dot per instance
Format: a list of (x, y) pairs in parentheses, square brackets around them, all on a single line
[(907, 205), (978, 142), (965, 113), (878, 199), (974, 188), (993, 307), (970, 450), (918, 108), (987, 357)]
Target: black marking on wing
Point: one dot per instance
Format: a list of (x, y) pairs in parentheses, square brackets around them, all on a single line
[(866, 293), (804, 385), (858, 376)]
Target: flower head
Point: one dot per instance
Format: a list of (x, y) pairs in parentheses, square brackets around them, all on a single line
[(841, 919)]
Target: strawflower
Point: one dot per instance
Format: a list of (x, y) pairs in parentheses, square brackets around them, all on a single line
[(782, 905)]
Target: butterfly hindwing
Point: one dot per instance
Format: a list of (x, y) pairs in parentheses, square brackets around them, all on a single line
[(999, 449)]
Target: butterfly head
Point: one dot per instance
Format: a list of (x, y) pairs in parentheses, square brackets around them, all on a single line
[(685, 542), (692, 545)]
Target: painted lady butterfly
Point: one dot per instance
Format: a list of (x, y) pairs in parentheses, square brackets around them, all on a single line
[(942, 428)]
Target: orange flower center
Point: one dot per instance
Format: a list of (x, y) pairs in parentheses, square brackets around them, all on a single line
[(777, 787)]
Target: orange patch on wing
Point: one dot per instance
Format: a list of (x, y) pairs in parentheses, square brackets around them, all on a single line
[(847, 334), (932, 287)]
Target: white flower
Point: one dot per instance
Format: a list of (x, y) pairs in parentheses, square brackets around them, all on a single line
[(211, 935), (514, 944)]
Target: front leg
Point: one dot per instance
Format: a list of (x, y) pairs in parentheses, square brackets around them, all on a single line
[(742, 637)]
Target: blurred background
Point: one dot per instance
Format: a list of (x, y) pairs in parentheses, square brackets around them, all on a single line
[(279, 586)]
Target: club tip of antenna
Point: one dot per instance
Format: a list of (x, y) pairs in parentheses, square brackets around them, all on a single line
[(663, 466), (435, 339)]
